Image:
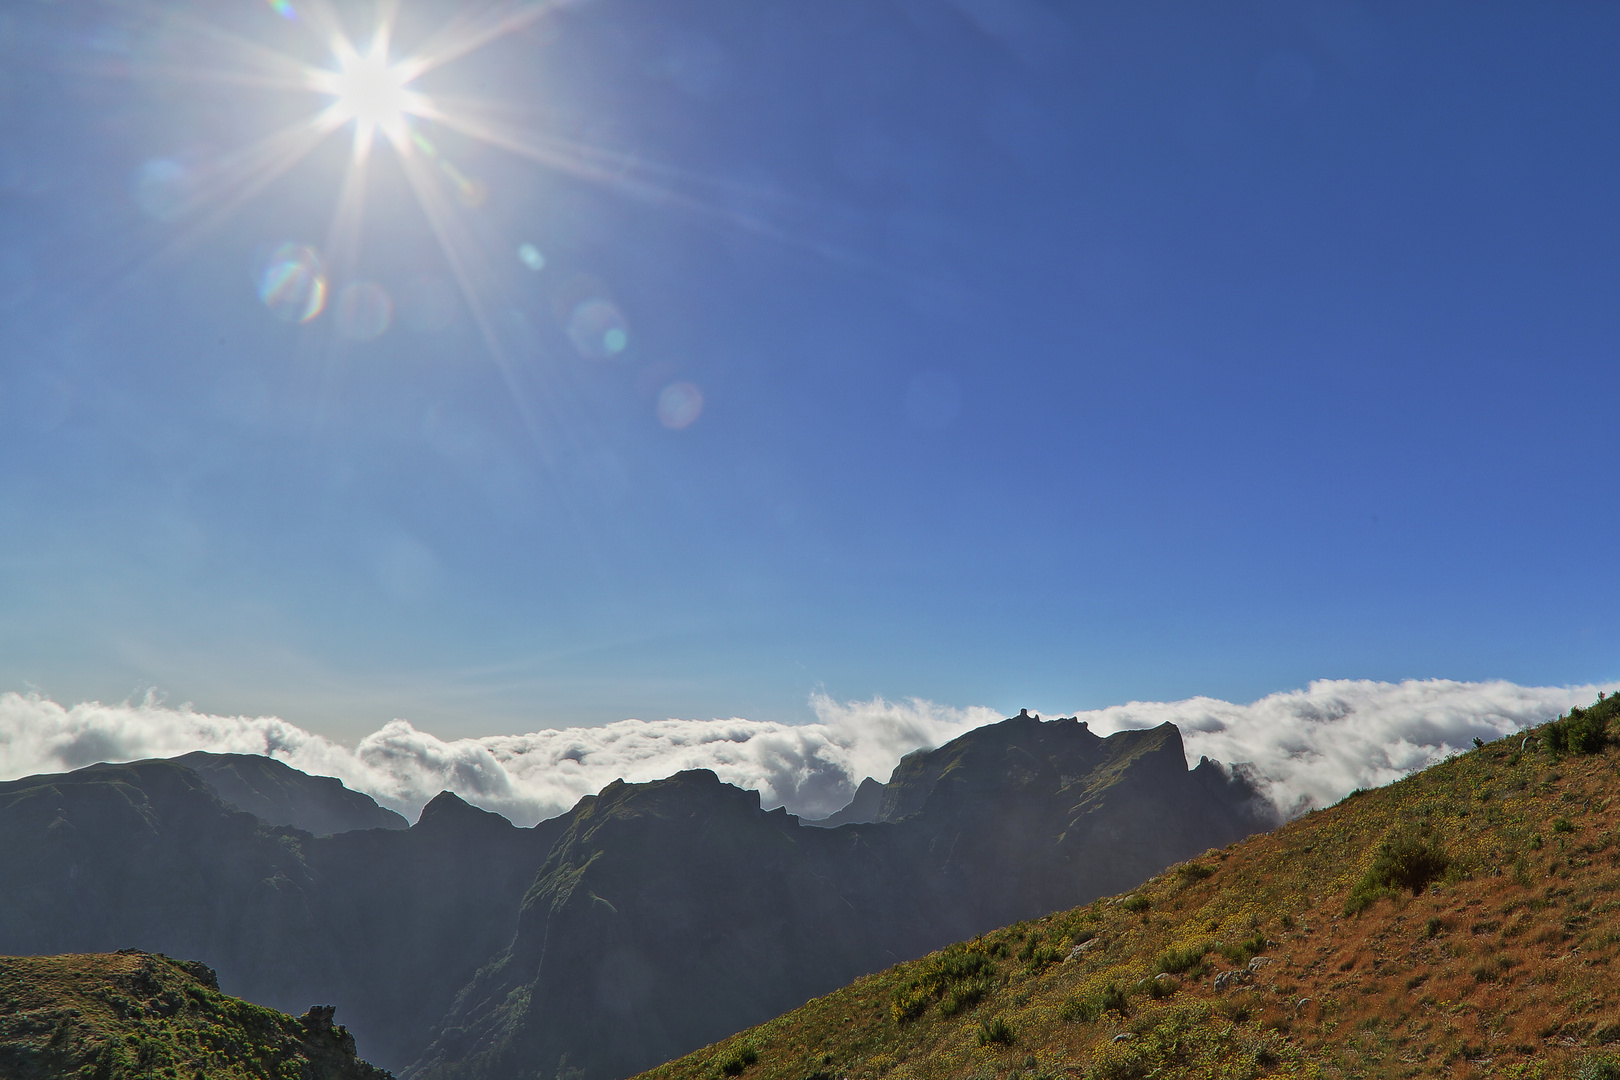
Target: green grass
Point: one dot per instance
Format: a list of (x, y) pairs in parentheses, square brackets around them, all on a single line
[(137, 1016)]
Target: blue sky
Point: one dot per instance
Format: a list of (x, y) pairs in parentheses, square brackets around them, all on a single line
[(1050, 354)]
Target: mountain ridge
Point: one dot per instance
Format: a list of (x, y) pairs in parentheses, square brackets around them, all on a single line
[(685, 893), (1461, 921)]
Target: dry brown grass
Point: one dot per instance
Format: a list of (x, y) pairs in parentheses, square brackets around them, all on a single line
[(1505, 968)]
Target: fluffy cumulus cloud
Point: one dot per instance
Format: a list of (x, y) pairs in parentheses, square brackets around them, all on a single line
[(1310, 746), (811, 768)]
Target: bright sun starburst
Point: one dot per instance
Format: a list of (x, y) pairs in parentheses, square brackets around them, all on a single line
[(370, 91)]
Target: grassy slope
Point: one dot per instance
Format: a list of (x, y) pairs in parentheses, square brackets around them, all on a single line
[(132, 1015), (1506, 967)]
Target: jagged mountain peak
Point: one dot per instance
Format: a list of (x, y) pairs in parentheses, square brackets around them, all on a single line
[(448, 811)]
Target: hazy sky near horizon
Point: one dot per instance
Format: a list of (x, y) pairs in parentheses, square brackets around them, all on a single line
[(989, 352)]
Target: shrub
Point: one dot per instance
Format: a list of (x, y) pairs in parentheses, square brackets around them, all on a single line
[(1189, 960), (1136, 903), (1159, 989), (1563, 825), (1082, 1009), (1599, 1066), (739, 1059), (1194, 871), (963, 996), (1433, 927), (962, 975), (1122, 1062), (1112, 999), (1243, 950), (1408, 858), (995, 1032), (1583, 731)]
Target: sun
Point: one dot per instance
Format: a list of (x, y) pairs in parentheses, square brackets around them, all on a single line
[(370, 90)]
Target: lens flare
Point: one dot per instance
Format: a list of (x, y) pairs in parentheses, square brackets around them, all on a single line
[(163, 189), (679, 405), (364, 311), (293, 283), (283, 8), (530, 256), (597, 329)]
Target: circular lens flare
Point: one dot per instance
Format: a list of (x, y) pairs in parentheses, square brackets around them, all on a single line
[(364, 311), (293, 283), (679, 405), (598, 329)]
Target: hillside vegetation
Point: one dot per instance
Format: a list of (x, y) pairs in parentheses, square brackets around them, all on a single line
[(137, 1016), (1464, 921)]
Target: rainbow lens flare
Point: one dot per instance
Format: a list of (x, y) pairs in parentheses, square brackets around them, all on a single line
[(283, 8), (293, 283)]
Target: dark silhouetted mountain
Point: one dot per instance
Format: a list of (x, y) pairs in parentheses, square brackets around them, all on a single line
[(866, 806), (651, 919), (387, 923), (668, 911), (281, 795)]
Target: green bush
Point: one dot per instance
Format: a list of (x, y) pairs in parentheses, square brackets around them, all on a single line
[(1159, 989), (1187, 961), (1136, 903), (1194, 872), (1112, 999), (1121, 1062), (1563, 824), (1598, 1066), (1409, 858), (1241, 952), (962, 996), (1583, 731), (739, 1059), (961, 975), (995, 1032), (1081, 1009)]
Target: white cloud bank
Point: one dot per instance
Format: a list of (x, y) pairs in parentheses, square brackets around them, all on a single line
[(1315, 746), (1312, 746)]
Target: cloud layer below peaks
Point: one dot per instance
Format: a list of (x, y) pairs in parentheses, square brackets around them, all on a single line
[(1311, 746)]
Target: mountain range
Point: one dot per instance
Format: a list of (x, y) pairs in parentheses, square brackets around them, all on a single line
[(647, 921)]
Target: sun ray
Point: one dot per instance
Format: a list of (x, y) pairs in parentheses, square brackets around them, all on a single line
[(472, 32), (618, 173), (460, 254)]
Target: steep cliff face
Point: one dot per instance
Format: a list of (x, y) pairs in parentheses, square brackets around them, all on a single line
[(670, 913)]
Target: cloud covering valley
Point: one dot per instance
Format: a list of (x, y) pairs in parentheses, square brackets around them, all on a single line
[(1311, 746)]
